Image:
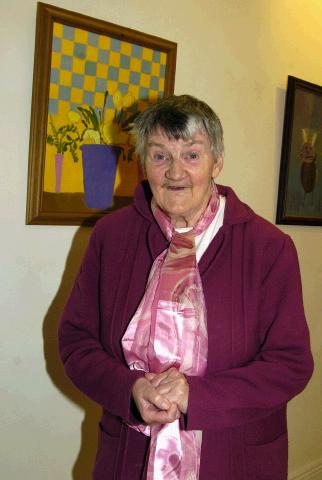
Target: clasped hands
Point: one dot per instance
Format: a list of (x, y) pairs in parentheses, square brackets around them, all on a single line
[(161, 398)]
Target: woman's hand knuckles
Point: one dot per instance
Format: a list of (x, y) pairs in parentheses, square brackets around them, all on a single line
[(157, 398)]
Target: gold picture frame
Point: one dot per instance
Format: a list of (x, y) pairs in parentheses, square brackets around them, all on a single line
[(91, 78)]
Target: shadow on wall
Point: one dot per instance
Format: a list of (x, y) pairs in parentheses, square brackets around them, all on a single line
[(82, 469)]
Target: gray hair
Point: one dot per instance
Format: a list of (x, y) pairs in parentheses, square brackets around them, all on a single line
[(178, 117)]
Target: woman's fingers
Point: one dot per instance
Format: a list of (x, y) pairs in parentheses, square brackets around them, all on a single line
[(171, 385), (164, 377), (152, 405), (176, 391), (157, 399), (164, 416), (143, 391)]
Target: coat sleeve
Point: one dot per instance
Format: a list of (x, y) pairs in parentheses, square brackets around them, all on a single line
[(281, 367), (98, 373)]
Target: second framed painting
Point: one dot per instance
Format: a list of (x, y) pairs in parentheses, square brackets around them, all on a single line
[(91, 78), (300, 183)]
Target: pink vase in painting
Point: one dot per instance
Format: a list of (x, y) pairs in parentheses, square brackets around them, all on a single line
[(59, 157)]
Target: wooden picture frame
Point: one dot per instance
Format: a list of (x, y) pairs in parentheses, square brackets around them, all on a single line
[(300, 181), (91, 78)]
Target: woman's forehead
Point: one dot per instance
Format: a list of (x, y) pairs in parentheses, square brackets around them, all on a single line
[(161, 137)]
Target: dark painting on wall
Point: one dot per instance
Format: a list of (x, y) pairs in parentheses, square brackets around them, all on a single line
[(300, 183)]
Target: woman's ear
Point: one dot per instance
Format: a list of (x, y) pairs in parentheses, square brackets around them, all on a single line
[(218, 166)]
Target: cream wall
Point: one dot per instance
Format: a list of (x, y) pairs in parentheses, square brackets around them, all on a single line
[(236, 55)]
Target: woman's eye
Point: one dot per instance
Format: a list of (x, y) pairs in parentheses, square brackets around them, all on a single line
[(192, 156), (159, 157)]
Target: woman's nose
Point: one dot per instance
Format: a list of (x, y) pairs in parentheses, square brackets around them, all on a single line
[(175, 170)]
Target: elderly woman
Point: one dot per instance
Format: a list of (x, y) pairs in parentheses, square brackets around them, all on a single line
[(186, 321)]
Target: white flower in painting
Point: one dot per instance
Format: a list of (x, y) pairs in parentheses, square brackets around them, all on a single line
[(91, 136)]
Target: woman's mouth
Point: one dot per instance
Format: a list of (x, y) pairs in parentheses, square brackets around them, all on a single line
[(176, 188)]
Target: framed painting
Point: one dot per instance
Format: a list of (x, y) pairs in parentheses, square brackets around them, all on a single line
[(91, 78), (300, 181)]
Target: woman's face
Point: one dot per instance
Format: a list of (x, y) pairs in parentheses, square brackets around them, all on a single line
[(180, 175)]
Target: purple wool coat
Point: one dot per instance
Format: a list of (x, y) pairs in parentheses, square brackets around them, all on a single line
[(259, 355)]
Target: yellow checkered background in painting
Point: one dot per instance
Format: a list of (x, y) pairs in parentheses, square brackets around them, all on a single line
[(83, 66)]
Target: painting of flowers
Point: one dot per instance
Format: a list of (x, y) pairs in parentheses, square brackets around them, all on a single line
[(98, 77), (72, 145)]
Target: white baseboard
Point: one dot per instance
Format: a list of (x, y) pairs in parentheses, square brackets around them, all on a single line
[(313, 471)]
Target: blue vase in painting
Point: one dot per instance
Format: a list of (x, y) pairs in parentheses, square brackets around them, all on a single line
[(99, 169)]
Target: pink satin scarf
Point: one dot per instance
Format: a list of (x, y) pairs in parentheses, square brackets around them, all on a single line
[(169, 329)]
